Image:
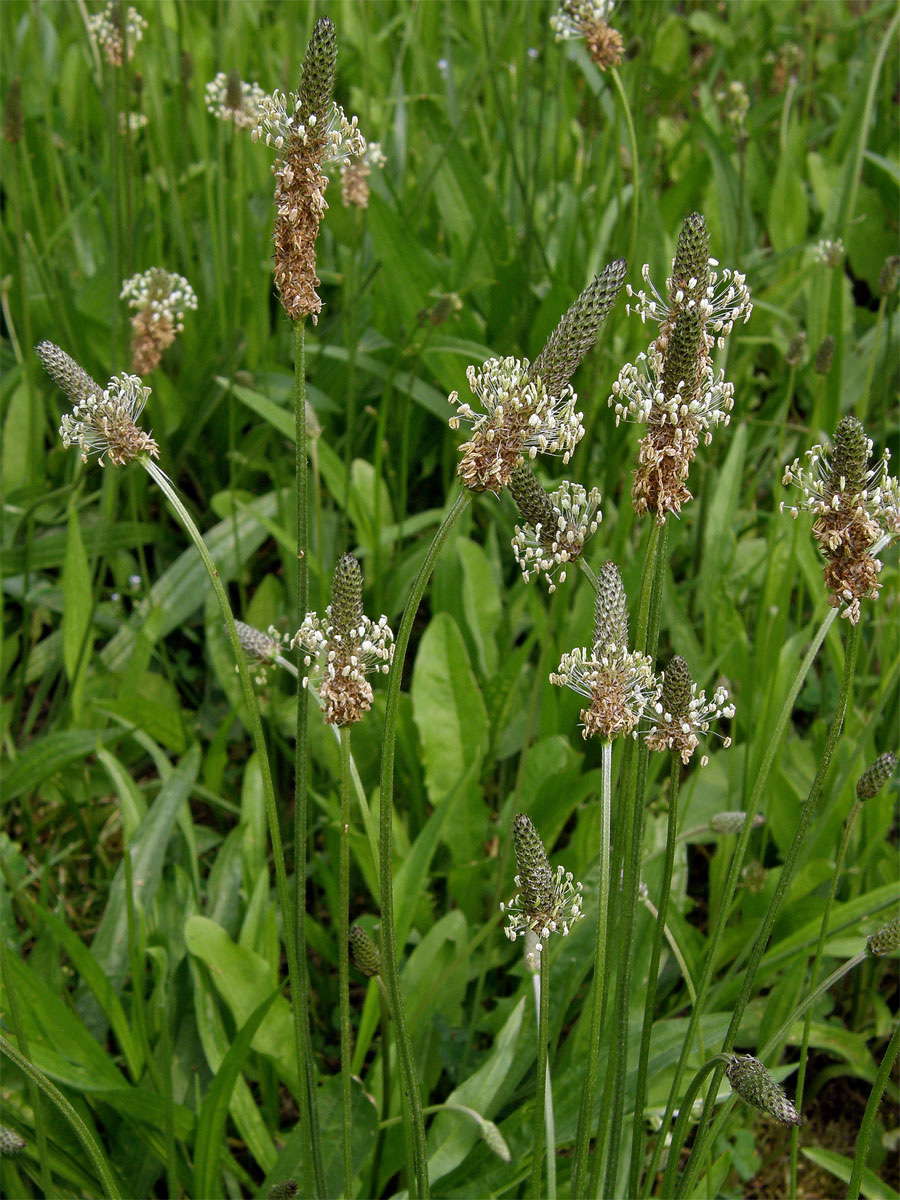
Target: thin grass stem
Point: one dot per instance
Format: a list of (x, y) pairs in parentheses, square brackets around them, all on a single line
[(635, 161), (600, 980), (864, 1139), (640, 1094), (539, 1125), (344, 962), (84, 1135), (718, 1061), (389, 944), (313, 1165)]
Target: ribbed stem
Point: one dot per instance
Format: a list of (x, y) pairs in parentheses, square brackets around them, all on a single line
[(868, 1122), (814, 974), (640, 1095), (600, 981), (256, 733), (391, 971), (84, 1135), (717, 1063), (712, 949), (539, 1128), (314, 1172), (785, 878), (344, 961), (646, 638)]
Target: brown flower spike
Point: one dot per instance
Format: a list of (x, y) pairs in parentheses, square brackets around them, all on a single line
[(308, 130)]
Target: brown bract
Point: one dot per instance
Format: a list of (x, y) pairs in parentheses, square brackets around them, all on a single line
[(605, 46), (300, 202), (345, 698), (664, 462), (152, 335)]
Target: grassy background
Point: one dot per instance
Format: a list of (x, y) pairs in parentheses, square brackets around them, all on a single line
[(509, 180)]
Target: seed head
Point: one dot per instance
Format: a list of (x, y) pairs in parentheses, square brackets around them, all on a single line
[(545, 902), (854, 506), (724, 824), (577, 331), (690, 267), (345, 647), (365, 954), (756, 1087), (10, 1142), (886, 940), (520, 417), (230, 99), (159, 299), (797, 349), (319, 68), (112, 27), (346, 597), (890, 273), (13, 117), (557, 525), (66, 373), (829, 253), (619, 683), (683, 714), (285, 1191), (588, 19), (876, 776), (824, 355)]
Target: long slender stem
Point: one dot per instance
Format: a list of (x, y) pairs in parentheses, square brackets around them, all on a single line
[(391, 972), (714, 1064), (646, 638), (640, 1095), (314, 1172), (712, 949), (344, 959), (814, 975), (635, 163), (785, 878), (259, 744), (600, 979), (84, 1135), (868, 1122), (539, 1130)]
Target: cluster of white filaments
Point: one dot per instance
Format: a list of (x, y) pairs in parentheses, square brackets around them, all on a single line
[(161, 295), (877, 499), (238, 104), (106, 29), (637, 393), (105, 422), (829, 253), (132, 122), (725, 302), (683, 733), (342, 662), (520, 418), (619, 683), (546, 548), (280, 122), (559, 916), (578, 18)]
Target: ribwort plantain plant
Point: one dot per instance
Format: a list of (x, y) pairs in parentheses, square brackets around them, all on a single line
[(682, 699)]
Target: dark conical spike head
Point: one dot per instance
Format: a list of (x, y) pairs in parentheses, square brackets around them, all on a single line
[(533, 503), (690, 270), (319, 67), (850, 456), (346, 597), (876, 776), (577, 330), (535, 877), (681, 372), (677, 689), (611, 609)]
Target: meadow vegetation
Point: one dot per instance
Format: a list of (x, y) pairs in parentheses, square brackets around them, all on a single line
[(315, 684)]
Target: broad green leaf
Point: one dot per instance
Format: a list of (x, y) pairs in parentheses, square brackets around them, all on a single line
[(211, 1121), (47, 755), (148, 851), (452, 1136), (243, 979), (363, 1129), (481, 602), (788, 206), (841, 1168)]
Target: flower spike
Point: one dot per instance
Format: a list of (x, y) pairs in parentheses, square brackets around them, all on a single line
[(546, 902)]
